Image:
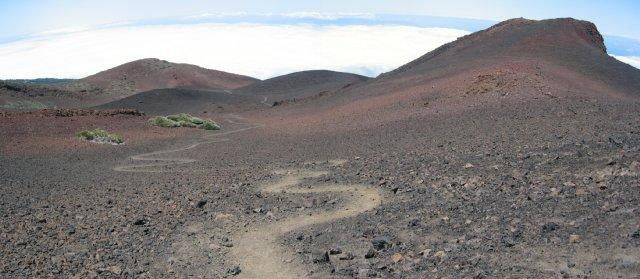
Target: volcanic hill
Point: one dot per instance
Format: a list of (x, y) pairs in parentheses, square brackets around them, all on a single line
[(148, 74), (515, 61), (301, 84)]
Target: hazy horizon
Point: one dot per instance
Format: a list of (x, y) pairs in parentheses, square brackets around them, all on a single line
[(260, 41)]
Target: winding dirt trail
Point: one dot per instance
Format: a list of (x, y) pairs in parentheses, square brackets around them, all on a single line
[(257, 250), (161, 161)]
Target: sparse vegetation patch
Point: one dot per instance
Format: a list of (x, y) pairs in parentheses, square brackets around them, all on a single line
[(100, 136), (23, 105), (184, 120)]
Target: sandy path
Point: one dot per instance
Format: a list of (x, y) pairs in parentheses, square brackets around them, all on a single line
[(264, 102), (160, 161), (257, 249)]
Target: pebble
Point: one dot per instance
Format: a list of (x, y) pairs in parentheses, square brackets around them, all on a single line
[(346, 256), (370, 254), (380, 242), (201, 203), (397, 257), (234, 271), (320, 256), (115, 269), (574, 238)]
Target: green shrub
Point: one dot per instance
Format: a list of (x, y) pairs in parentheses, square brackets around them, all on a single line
[(209, 125), (23, 105), (165, 122), (197, 121), (187, 124), (184, 120), (100, 135)]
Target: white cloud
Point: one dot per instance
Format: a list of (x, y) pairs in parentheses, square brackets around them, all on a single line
[(329, 16), (631, 60), (208, 15), (257, 50)]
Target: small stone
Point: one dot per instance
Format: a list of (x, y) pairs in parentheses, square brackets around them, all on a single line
[(226, 242), (425, 253), (625, 262), (397, 257), (346, 256), (370, 254), (201, 203), (440, 254), (468, 166), (574, 238), (320, 256), (71, 230), (508, 241), (115, 269), (365, 273), (234, 271), (414, 223), (549, 227), (257, 210), (335, 251), (380, 242)]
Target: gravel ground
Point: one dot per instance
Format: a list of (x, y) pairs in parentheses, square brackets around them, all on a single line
[(522, 191)]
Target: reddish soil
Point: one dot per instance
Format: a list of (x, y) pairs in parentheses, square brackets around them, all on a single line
[(148, 74), (51, 132)]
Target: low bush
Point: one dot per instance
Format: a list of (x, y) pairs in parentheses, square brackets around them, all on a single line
[(162, 121), (209, 125), (23, 105), (183, 120), (100, 136)]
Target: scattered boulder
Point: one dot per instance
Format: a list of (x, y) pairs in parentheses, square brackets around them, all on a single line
[(380, 242), (370, 254), (234, 271), (397, 257), (346, 256), (549, 227), (335, 251), (320, 256), (201, 203), (574, 238), (115, 269)]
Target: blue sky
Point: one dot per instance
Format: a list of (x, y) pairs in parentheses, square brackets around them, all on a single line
[(19, 17), (76, 38)]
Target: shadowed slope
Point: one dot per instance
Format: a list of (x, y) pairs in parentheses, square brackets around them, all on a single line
[(301, 84), (176, 100)]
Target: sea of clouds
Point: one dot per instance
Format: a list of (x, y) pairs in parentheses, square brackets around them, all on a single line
[(258, 50), (270, 45)]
